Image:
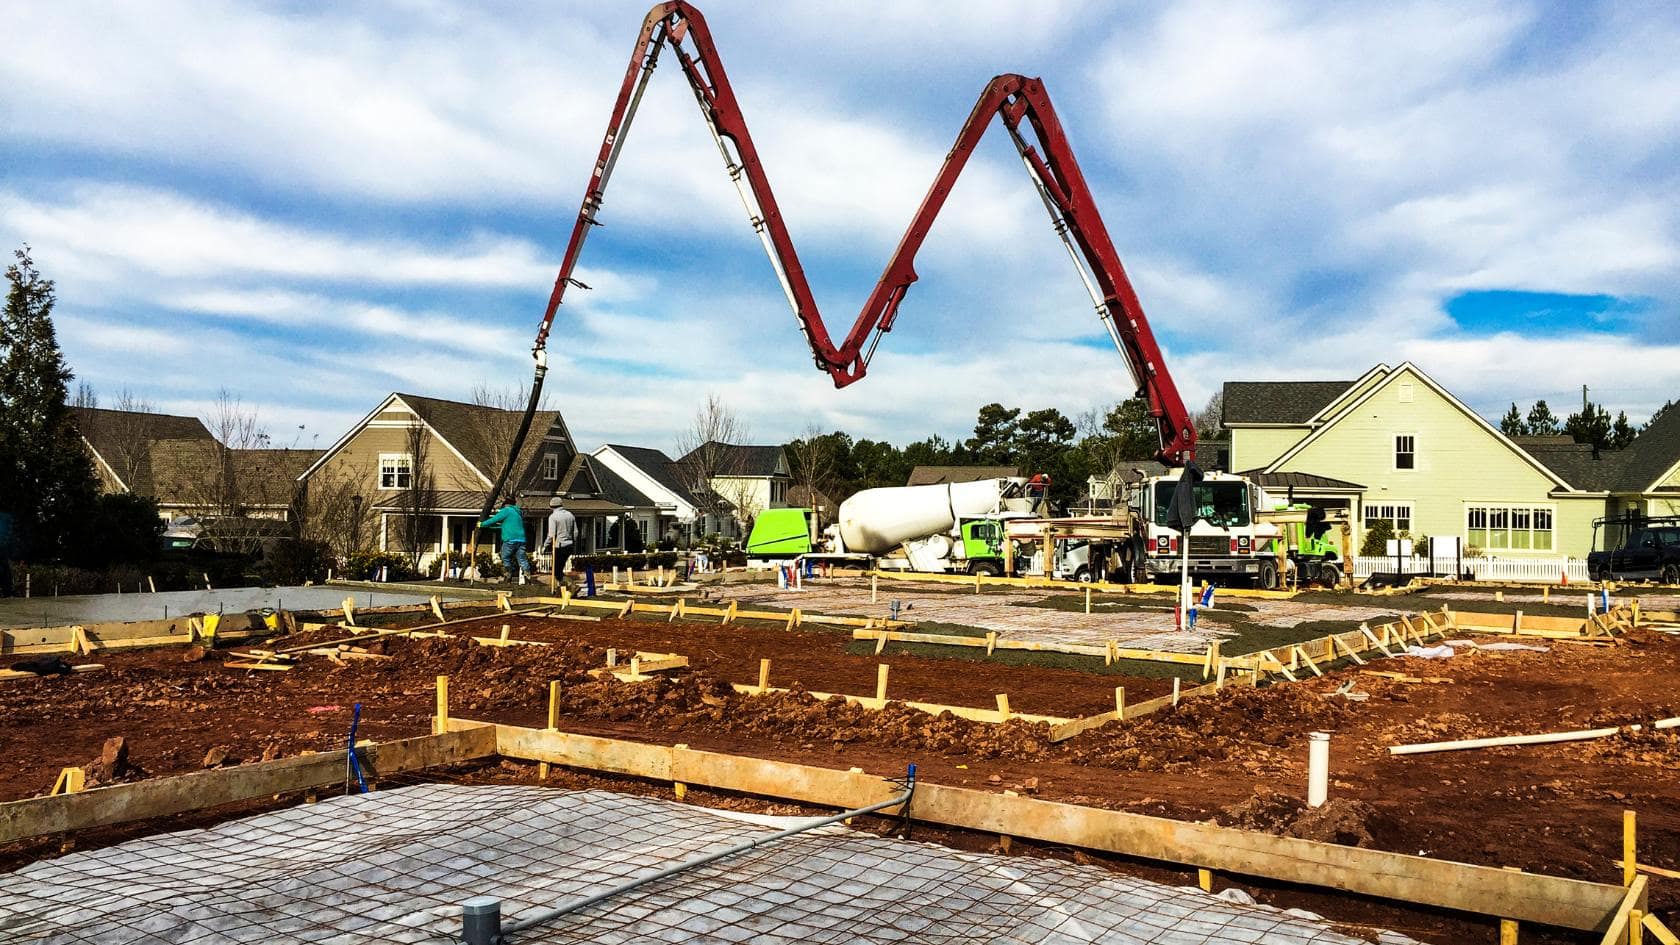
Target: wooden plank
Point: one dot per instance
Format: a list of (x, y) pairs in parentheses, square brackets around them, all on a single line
[(1485, 890), (1616, 930), (970, 713), (161, 797)]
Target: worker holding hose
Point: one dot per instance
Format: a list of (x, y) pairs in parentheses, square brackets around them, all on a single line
[(512, 524)]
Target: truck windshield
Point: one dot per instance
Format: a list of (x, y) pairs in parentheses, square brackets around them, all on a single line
[(1222, 504)]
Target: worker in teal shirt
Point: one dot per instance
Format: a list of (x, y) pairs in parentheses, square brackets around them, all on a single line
[(512, 525)]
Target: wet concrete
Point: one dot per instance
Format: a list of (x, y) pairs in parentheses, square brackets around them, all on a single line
[(113, 608)]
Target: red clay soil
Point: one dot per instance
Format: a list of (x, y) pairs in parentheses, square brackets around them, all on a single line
[(1238, 757)]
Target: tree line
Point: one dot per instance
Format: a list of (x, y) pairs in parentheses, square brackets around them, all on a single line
[(1070, 451), (1591, 424)]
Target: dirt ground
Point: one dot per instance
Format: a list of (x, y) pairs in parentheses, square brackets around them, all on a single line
[(1238, 757)]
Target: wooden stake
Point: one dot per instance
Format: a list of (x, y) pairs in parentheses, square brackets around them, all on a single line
[(763, 675), (1204, 879), (1546, 594), (1212, 659), (1636, 927), (881, 682), (1087, 600), (1003, 706), (991, 641), (440, 722), (872, 579), (1120, 702), (553, 721), (437, 609), (505, 631), (350, 611), (1630, 847), (151, 584), (1175, 691)]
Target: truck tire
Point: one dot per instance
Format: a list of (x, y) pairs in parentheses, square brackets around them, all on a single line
[(1267, 577), (1671, 574), (1083, 574), (1604, 573), (988, 568), (1330, 576)]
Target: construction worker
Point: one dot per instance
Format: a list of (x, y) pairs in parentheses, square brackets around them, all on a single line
[(562, 534), (512, 525)]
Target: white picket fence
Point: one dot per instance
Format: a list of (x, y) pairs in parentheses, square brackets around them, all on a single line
[(1546, 570)]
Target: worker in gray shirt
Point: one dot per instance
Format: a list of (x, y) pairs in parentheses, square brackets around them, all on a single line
[(562, 534)]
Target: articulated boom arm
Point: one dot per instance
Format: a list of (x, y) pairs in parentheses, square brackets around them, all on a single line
[(1021, 103)]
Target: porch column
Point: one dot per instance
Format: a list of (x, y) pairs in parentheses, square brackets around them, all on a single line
[(443, 541), (384, 519)]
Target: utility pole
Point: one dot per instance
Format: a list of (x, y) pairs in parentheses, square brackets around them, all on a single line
[(1583, 400)]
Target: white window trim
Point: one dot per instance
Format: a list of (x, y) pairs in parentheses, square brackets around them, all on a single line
[(551, 467), (1490, 504), (1411, 514), (405, 458), (1394, 452)]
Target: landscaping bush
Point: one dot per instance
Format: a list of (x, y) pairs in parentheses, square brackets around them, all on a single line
[(641, 562), (1376, 539), (365, 566), (489, 566)]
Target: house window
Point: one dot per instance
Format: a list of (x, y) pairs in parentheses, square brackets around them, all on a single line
[(551, 466), (1397, 514), (1405, 393), (1508, 527), (396, 470), (1405, 451)]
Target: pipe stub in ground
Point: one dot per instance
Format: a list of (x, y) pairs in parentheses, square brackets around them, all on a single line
[(1318, 768), (481, 921)]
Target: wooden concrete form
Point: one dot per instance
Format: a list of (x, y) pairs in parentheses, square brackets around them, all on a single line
[(1101, 587), (86, 638), (161, 797), (1483, 890), (681, 608)]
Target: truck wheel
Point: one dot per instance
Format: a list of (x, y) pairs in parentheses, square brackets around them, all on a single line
[(1267, 578), (1082, 574), (1603, 573), (988, 568), (1330, 576), (1671, 574)]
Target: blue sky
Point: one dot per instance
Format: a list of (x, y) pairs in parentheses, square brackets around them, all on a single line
[(311, 207)]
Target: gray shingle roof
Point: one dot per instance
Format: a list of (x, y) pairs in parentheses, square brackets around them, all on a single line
[(661, 468), (934, 475), (614, 487), (1651, 453), (124, 440), (1278, 401), (480, 433), (740, 460), (1575, 464), (1276, 481)]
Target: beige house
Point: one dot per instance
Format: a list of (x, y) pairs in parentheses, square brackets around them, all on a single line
[(734, 483), (412, 476), (176, 461), (1394, 445)]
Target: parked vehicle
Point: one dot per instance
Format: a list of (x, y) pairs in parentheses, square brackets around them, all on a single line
[(1636, 548), (1228, 541)]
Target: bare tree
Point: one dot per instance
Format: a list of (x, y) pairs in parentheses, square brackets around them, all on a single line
[(333, 510), (123, 433), (1210, 418), (492, 439), (235, 483), (711, 463), (812, 458), (414, 529)]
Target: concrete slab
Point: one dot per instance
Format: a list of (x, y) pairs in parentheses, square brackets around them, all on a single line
[(115, 608)]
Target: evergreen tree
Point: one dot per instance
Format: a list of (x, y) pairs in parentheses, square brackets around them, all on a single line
[(1590, 425), (46, 478), (1512, 423), (1621, 432), (994, 434), (1541, 420)]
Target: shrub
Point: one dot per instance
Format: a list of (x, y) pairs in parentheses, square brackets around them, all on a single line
[(1377, 535), (641, 562), (489, 566), (365, 566), (122, 529)]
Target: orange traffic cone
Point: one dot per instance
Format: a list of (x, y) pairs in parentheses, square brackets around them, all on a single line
[(1565, 581)]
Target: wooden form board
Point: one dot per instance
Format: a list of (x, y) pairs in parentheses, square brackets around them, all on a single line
[(161, 797), (681, 608), (110, 636), (1101, 587), (1484, 890), (993, 716)]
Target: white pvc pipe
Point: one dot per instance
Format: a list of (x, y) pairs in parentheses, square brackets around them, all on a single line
[(1318, 768)]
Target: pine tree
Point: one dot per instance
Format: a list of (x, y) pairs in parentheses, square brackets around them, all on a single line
[(1622, 432), (1541, 420), (1512, 423), (46, 478), (1591, 425)]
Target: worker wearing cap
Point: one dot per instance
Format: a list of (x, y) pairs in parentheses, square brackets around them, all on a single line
[(562, 533), (512, 525)]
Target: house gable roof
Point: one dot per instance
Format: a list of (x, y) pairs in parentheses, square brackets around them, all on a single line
[(1281, 402), (935, 475), (658, 467), (1653, 455), (748, 461), (111, 433), (1351, 405)]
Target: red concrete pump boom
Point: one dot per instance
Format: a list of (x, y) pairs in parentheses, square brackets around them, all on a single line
[(1013, 98)]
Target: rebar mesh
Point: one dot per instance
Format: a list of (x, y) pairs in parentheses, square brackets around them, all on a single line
[(396, 865)]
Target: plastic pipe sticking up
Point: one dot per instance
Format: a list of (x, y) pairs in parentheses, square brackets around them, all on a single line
[(1318, 768)]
